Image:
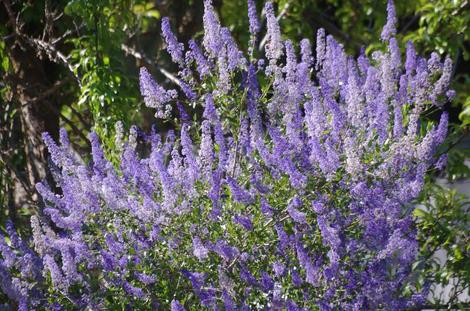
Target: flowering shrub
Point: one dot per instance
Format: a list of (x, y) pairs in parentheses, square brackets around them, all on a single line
[(293, 193)]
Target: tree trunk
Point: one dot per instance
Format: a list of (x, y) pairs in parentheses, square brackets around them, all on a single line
[(36, 116)]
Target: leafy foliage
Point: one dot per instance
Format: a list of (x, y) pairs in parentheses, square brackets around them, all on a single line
[(443, 222)]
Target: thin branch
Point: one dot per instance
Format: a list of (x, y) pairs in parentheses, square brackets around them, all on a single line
[(278, 18), (147, 61), (411, 21), (48, 92), (170, 77), (53, 54), (56, 87), (78, 115), (264, 226), (66, 120), (47, 30), (458, 141), (59, 16), (63, 36), (40, 45), (14, 174), (11, 16), (131, 51), (74, 127)]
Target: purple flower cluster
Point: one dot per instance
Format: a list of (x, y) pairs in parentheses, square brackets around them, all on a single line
[(173, 46), (304, 203), (155, 96)]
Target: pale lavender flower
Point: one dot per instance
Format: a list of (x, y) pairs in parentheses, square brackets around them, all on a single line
[(303, 78), (443, 83), (279, 268), (190, 161), (441, 163), (244, 221), (283, 238), (306, 52), (176, 167), (133, 290), (224, 250), (442, 128), (387, 79), (354, 100), (253, 18), (398, 120), (69, 266), (267, 282), (48, 196), (433, 138), (56, 274), (157, 165), (199, 250), (145, 278), (38, 237), (108, 261), (395, 55), (174, 48), (400, 246), (187, 90), (234, 56), (363, 62), (292, 306), (389, 29), (203, 66), (265, 208), (330, 235), (176, 306), (239, 194), (6, 285), (320, 48), (212, 41), (294, 213), (434, 63), (64, 140), (274, 43), (154, 95), (57, 155), (306, 263), (9, 257), (206, 153), (291, 66), (210, 113), (229, 304), (410, 63), (296, 278), (246, 276), (184, 116)]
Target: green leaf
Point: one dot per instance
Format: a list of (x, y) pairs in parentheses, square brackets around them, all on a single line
[(420, 213)]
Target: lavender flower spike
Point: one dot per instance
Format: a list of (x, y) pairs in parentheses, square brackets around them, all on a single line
[(212, 41), (154, 95), (176, 306), (173, 46), (390, 28), (253, 18), (274, 44)]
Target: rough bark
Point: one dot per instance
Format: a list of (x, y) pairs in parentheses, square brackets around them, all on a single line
[(29, 80)]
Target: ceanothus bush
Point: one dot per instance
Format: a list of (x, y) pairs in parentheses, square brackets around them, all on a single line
[(287, 184)]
